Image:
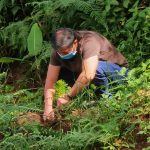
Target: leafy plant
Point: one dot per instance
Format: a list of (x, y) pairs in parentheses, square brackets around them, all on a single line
[(35, 40), (116, 123), (61, 88)]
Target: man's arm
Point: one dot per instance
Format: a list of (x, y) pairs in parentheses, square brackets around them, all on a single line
[(87, 75), (49, 90)]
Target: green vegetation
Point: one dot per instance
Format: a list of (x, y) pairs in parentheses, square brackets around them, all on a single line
[(122, 122)]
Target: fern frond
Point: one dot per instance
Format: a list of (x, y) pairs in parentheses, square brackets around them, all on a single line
[(15, 35), (3, 4), (82, 6), (61, 88), (99, 17)]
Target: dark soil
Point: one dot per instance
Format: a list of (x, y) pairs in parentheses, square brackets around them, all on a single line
[(58, 124)]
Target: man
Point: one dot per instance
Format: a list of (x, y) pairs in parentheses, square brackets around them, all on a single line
[(89, 55)]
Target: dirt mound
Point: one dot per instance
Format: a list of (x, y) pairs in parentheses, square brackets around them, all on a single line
[(29, 117), (34, 117)]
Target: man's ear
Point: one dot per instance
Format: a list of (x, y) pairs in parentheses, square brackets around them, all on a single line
[(75, 42)]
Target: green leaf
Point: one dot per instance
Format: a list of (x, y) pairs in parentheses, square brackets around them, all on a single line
[(126, 3), (107, 8), (114, 2), (15, 9), (8, 60), (35, 40), (109, 3)]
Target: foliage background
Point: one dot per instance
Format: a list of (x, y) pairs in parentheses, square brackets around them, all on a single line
[(124, 22), (119, 124)]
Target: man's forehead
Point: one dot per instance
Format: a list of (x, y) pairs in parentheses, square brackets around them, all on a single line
[(65, 48), (62, 33)]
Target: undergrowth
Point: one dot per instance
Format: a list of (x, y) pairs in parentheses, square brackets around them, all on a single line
[(89, 121), (109, 123)]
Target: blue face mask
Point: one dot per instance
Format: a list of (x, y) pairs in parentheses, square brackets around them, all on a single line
[(68, 56)]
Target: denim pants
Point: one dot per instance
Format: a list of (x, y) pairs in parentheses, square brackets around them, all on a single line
[(107, 73)]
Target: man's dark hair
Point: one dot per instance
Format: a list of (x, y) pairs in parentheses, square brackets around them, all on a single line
[(63, 37)]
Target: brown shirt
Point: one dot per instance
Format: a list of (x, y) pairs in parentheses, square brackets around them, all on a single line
[(90, 44)]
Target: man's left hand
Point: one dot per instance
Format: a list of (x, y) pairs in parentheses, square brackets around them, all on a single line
[(62, 101)]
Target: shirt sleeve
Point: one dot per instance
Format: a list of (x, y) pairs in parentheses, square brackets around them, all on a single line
[(54, 59), (91, 47)]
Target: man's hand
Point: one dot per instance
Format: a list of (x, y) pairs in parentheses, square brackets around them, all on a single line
[(62, 101), (48, 115), (48, 111)]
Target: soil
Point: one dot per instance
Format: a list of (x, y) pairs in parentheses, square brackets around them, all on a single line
[(58, 124), (20, 76)]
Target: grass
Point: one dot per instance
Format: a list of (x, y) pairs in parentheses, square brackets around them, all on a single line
[(117, 123)]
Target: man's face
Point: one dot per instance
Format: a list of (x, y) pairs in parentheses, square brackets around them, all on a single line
[(65, 51)]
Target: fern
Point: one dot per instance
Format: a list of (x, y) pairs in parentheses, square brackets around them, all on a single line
[(16, 34), (61, 88), (114, 120), (3, 4), (8, 144)]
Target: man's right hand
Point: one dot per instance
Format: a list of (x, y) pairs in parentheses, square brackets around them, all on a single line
[(48, 111), (48, 115)]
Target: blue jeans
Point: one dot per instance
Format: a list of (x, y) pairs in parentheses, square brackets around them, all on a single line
[(107, 72)]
